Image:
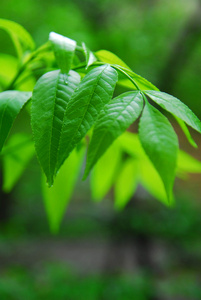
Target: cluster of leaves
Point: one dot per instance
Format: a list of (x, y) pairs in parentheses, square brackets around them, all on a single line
[(73, 103)]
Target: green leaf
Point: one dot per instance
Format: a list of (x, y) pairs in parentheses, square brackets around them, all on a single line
[(187, 163), (105, 171), (126, 183), (176, 107), (142, 83), (11, 102), (131, 145), (16, 156), (51, 97), (94, 91), (113, 120), (89, 56), (58, 196), (22, 40), (151, 181), (186, 132), (160, 144), (147, 174), (64, 49), (8, 70), (111, 58)]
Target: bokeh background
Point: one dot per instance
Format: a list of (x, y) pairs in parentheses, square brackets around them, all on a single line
[(147, 251)]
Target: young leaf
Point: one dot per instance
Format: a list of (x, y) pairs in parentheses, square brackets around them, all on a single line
[(176, 107), (105, 171), (111, 58), (64, 49), (113, 120), (22, 40), (160, 144), (16, 160), (89, 56), (58, 196), (11, 102), (126, 183), (142, 83), (51, 97), (94, 91)]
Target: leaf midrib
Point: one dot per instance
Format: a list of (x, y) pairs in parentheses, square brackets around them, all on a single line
[(52, 121), (91, 95), (106, 131)]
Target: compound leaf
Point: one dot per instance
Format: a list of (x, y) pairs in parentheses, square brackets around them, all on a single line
[(160, 144), (50, 99), (113, 120), (11, 102), (64, 49), (94, 91), (176, 107)]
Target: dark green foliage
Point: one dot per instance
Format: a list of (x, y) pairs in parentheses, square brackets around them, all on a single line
[(73, 102)]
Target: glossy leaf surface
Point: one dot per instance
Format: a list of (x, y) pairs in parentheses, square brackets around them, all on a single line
[(160, 144), (176, 107), (11, 102), (51, 97), (113, 120), (94, 91)]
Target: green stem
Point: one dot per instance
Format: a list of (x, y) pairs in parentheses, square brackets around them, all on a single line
[(128, 76), (43, 48), (83, 65)]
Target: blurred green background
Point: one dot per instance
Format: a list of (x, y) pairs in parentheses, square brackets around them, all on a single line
[(147, 251)]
